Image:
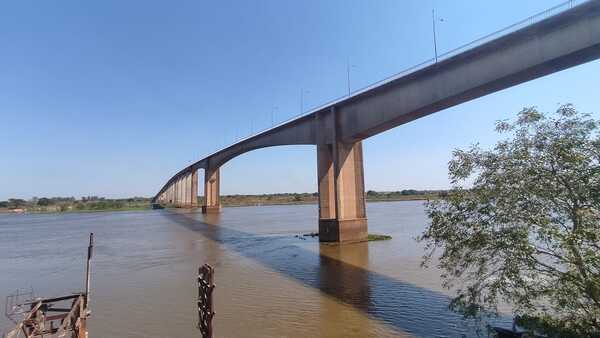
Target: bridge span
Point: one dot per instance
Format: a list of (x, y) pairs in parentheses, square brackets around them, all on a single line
[(534, 49)]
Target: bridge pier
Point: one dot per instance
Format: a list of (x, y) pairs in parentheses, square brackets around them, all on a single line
[(187, 190), (177, 200), (172, 194), (182, 192), (342, 212), (194, 188), (212, 199)]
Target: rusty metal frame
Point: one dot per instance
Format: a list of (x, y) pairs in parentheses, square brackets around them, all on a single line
[(69, 320), (205, 300)]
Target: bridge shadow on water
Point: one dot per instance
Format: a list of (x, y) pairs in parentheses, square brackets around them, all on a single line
[(404, 306)]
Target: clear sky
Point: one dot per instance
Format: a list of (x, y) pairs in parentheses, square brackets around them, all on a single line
[(111, 98)]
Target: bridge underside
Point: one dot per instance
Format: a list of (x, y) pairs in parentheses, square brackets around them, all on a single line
[(551, 45), (342, 212)]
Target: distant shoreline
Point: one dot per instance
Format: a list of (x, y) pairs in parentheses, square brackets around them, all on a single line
[(74, 211), (95, 204), (369, 200)]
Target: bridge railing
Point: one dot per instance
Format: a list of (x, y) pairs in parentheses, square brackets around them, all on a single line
[(550, 12)]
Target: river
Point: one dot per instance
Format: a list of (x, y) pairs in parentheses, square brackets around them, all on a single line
[(269, 283)]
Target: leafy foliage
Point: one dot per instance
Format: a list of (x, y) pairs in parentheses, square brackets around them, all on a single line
[(44, 202), (16, 203), (527, 231)]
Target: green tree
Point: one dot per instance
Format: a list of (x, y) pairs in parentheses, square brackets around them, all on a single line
[(43, 202), (16, 203), (372, 193), (527, 231)]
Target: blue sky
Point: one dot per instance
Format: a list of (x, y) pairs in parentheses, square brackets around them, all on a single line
[(111, 98)]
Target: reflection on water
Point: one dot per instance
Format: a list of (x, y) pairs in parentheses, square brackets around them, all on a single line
[(269, 282)]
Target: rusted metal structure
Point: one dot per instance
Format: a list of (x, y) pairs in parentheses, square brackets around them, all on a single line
[(60, 317), (205, 300), (38, 322), (13, 308)]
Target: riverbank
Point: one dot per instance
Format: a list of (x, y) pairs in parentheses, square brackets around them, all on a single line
[(51, 211), (70, 204), (96, 204), (311, 198)]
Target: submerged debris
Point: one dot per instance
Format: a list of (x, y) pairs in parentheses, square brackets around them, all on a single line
[(311, 234), (376, 237)]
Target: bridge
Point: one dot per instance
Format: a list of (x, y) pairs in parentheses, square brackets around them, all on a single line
[(562, 37)]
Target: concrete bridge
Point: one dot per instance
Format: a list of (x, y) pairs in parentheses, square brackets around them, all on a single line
[(563, 38)]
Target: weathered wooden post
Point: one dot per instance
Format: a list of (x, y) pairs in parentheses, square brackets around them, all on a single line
[(205, 301), (88, 270), (84, 307)]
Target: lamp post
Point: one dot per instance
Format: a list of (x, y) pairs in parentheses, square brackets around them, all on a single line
[(348, 75), (433, 20)]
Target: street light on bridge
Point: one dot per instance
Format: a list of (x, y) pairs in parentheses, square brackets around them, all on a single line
[(433, 20), (348, 74)]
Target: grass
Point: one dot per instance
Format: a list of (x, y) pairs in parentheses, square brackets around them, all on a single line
[(376, 237)]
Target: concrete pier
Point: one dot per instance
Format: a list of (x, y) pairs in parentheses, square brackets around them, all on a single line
[(342, 216), (194, 186), (182, 192), (212, 199)]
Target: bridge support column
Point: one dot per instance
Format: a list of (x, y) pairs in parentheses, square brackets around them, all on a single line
[(185, 191), (177, 198), (180, 192), (194, 188), (212, 202), (342, 214)]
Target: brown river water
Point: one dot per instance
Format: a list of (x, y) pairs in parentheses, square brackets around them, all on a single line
[(269, 283)]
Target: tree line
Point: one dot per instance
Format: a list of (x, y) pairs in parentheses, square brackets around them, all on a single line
[(62, 204)]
